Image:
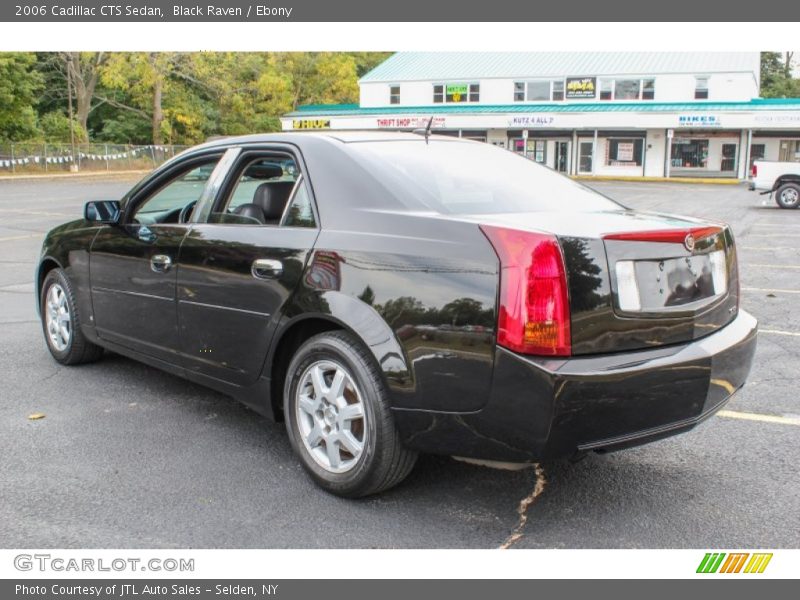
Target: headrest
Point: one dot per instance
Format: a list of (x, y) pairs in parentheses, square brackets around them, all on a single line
[(252, 211), (271, 196)]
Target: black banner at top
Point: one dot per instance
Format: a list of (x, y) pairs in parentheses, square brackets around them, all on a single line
[(406, 11)]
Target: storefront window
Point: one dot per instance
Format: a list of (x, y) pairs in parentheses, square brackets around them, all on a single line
[(789, 151), (606, 85), (519, 91), (538, 90), (648, 89), (456, 92), (626, 89), (701, 88), (558, 90), (689, 153), (541, 90), (757, 152), (394, 94), (537, 150), (622, 152)]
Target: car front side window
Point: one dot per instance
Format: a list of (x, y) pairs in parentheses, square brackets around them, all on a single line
[(166, 204)]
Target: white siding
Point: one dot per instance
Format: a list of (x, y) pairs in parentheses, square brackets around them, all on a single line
[(668, 88)]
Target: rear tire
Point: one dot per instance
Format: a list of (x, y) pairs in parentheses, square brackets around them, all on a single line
[(788, 195), (338, 418), (61, 322)]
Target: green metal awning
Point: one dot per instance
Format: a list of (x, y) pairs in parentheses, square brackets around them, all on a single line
[(344, 110)]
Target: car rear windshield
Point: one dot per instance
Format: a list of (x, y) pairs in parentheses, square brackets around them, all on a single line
[(454, 177)]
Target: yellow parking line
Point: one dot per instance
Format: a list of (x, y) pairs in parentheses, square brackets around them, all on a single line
[(779, 332), (733, 414), (772, 290), (765, 266), (771, 235), (19, 237), (770, 248)]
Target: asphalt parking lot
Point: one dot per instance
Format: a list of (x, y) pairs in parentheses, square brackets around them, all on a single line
[(129, 457)]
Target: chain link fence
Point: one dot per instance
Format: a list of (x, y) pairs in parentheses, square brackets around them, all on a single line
[(31, 158)]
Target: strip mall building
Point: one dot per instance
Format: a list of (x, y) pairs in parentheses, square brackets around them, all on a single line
[(661, 114)]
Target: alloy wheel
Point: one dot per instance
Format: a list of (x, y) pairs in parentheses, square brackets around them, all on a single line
[(58, 319), (330, 416)]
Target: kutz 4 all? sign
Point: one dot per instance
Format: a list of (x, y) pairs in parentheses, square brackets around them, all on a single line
[(581, 87), (531, 121)]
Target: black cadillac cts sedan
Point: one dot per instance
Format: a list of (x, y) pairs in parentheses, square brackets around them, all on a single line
[(388, 294)]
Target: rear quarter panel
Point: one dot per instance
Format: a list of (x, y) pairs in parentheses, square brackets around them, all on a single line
[(423, 303)]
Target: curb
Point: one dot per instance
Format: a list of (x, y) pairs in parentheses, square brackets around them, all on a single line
[(84, 175), (709, 180)]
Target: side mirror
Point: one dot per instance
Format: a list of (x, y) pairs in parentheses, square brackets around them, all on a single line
[(105, 212)]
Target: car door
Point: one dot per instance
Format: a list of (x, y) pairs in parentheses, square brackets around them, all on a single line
[(132, 264), (240, 263)]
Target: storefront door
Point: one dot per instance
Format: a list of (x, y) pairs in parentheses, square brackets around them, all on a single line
[(585, 157), (728, 162), (562, 156)]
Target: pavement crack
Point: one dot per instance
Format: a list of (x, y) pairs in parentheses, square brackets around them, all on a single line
[(524, 506), (49, 377)]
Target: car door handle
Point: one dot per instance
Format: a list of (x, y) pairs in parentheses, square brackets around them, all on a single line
[(266, 268), (160, 263)]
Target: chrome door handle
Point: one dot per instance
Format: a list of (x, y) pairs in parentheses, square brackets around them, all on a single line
[(160, 263), (266, 268)]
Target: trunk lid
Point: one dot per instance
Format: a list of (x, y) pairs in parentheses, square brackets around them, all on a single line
[(635, 279)]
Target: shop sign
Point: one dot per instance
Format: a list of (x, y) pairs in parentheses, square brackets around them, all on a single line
[(532, 121), (311, 124), (625, 151), (581, 87), (791, 118), (456, 90), (409, 122), (699, 121)]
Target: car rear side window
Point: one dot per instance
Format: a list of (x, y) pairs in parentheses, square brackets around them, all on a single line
[(261, 194), (473, 178)]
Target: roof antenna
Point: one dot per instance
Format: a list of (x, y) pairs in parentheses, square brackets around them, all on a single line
[(427, 131)]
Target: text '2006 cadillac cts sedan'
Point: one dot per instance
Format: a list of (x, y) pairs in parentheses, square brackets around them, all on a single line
[(388, 294)]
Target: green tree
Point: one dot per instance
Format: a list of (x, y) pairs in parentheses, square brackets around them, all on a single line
[(55, 128), (168, 97), (777, 80), (248, 91), (20, 84)]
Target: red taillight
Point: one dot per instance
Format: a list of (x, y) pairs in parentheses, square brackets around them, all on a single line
[(534, 316), (674, 236), (754, 171)]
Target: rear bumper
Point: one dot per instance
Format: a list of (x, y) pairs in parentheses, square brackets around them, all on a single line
[(542, 409)]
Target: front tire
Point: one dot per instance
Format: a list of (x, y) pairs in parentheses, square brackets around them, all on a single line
[(61, 322), (788, 195), (338, 418)]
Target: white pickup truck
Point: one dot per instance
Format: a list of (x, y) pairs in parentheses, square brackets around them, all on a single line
[(782, 178)]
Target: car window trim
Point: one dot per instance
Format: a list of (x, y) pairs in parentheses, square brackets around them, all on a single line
[(204, 207)]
